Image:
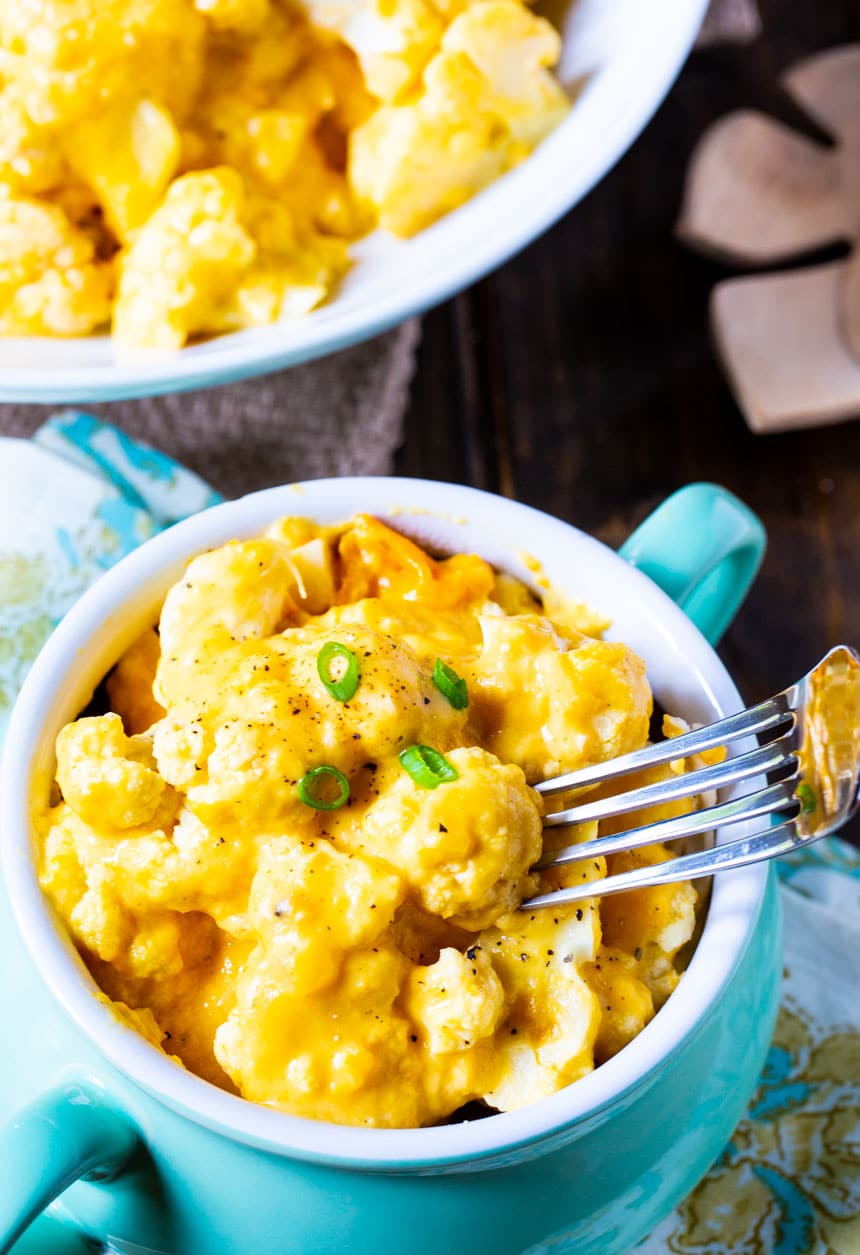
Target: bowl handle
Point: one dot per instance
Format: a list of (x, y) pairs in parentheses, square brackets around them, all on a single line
[(703, 547), (67, 1134)]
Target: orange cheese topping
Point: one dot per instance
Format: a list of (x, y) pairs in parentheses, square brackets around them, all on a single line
[(365, 964)]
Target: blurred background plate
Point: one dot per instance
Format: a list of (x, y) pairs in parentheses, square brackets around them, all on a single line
[(620, 55)]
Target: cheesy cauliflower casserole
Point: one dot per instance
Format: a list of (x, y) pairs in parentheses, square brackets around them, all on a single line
[(178, 168), (293, 852)]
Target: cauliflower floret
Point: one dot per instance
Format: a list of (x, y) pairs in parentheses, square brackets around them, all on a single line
[(315, 1026), (487, 99), (393, 39), (179, 277), (546, 1038), (209, 260), (652, 923), (513, 51), (120, 877), (314, 901), (248, 713), (395, 704), (109, 779), (342, 1054), (70, 59), (413, 163), (298, 263), (242, 590), (626, 1004), (101, 923), (30, 158), (247, 721), (553, 703), (466, 847), (51, 280), (455, 1002), (245, 773), (221, 635)]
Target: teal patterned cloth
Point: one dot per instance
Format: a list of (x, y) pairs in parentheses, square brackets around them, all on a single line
[(81, 495), (788, 1183), (73, 501)]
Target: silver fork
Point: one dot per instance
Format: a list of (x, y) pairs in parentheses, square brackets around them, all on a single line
[(814, 746)]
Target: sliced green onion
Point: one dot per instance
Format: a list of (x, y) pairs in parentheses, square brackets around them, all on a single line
[(451, 685), (427, 766), (805, 794), (346, 685), (309, 788)]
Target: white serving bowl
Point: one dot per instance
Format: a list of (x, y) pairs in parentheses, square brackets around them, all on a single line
[(624, 53)]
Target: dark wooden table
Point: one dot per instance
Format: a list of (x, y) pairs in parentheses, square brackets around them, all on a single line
[(580, 378)]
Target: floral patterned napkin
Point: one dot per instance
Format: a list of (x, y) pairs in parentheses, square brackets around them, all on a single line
[(74, 500), (788, 1183), (82, 494)]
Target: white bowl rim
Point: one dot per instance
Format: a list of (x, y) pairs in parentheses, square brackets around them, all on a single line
[(498, 223), (733, 912)]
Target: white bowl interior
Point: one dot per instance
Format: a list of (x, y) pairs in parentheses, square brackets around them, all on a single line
[(686, 676), (620, 56)]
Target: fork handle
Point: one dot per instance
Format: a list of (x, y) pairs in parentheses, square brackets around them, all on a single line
[(703, 547)]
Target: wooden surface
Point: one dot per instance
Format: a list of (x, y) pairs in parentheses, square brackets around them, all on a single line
[(580, 378)]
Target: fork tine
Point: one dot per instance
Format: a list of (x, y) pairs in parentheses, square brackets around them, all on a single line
[(769, 714), (750, 806), (755, 762), (770, 843)]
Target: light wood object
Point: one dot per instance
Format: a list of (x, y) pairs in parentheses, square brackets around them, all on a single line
[(730, 21), (758, 193)]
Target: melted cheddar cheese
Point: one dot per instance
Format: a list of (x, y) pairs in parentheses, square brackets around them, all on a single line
[(180, 168), (365, 964)]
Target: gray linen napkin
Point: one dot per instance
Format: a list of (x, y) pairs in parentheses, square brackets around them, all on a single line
[(337, 416)]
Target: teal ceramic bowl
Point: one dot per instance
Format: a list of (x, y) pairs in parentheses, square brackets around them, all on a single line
[(144, 1155)]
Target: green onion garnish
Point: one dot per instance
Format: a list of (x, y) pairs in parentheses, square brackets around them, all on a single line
[(310, 786), (346, 685), (805, 794), (427, 766), (451, 685)]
